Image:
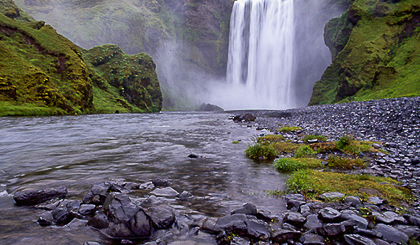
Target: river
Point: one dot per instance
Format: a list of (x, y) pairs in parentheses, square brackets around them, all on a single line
[(79, 151)]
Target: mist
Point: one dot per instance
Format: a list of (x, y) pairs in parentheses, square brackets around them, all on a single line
[(182, 67)]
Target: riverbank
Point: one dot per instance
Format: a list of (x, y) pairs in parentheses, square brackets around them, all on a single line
[(394, 122)]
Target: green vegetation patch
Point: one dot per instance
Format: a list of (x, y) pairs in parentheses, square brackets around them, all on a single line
[(289, 129), (312, 183), (293, 164), (340, 162), (268, 139), (258, 151), (348, 145), (304, 151)]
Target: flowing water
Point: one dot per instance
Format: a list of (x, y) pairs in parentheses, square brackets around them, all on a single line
[(261, 48), (79, 151)]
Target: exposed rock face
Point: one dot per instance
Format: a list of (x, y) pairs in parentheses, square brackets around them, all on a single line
[(373, 49)]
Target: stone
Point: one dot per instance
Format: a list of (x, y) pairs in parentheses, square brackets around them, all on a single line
[(185, 195), (162, 216), (412, 219), (329, 215), (161, 182), (391, 234), (257, 229), (165, 192), (331, 195), (353, 201), (131, 186), (283, 235), (209, 225), (87, 209), (248, 209), (360, 222), (140, 224), (33, 197), (376, 200), (99, 221), (369, 233), (294, 218), (312, 222), (312, 239), (232, 223), (332, 229), (388, 217), (355, 239), (44, 221), (410, 231), (62, 216), (97, 194), (147, 186)]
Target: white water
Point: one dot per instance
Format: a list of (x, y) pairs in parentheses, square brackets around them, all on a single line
[(261, 47)]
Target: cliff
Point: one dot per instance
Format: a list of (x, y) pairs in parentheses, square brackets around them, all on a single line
[(43, 73), (374, 46)]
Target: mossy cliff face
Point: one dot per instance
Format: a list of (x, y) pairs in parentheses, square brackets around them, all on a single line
[(374, 46), (134, 76), (43, 73)]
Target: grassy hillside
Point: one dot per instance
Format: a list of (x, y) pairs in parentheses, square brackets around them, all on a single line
[(43, 73), (375, 52)]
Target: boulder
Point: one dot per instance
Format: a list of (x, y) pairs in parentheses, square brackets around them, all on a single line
[(355, 239), (329, 215), (312, 239), (165, 192), (232, 223), (312, 222), (97, 194), (283, 235), (161, 182), (248, 209), (33, 197), (257, 229), (331, 195), (294, 218)]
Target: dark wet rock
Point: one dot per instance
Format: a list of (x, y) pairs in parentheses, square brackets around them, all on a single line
[(99, 221), (73, 206), (353, 201), (185, 195), (412, 219), (312, 222), (283, 235), (232, 223), (355, 239), (332, 229), (257, 229), (62, 216), (49, 205), (161, 182), (312, 239), (329, 215), (391, 234), (209, 225), (192, 155), (165, 192), (247, 117), (266, 215), (331, 195), (294, 218), (368, 233), (87, 209), (162, 216), (239, 241), (44, 221), (147, 186), (248, 209), (294, 201), (359, 221), (389, 217), (97, 194), (131, 186), (33, 197), (410, 231)]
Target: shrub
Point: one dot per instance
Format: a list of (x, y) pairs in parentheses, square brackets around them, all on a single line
[(260, 152), (345, 163), (304, 151), (344, 142), (293, 164)]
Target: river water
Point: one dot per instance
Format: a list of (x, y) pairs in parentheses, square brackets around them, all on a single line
[(79, 151)]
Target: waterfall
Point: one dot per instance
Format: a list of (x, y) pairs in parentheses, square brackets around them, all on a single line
[(261, 48)]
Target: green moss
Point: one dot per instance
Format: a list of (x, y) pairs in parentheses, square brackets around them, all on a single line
[(313, 183), (268, 139), (306, 138), (304, 151), (260, 152), (287, 129), (293, 164), (339, 162)]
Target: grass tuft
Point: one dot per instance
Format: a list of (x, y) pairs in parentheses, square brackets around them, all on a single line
[(345, 163), (293, 164), (312, 137), (258, 151), (289, 129), (304, 151)]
